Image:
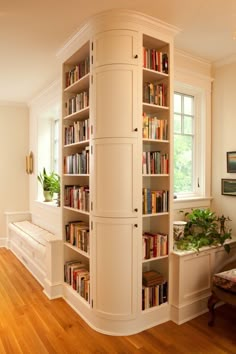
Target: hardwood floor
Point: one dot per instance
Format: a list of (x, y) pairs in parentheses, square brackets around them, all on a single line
[(30, 323)]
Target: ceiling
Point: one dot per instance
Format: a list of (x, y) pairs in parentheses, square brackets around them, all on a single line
[(32, 32)]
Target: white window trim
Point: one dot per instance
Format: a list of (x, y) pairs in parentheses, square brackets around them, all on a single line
[(199, 169)]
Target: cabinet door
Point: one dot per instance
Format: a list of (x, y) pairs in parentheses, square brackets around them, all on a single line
[(115, 178), (115, 103), (115, 47), (195, 276), (115, 267)]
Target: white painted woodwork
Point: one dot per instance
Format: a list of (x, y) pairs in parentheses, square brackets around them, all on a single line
[(114, 42), (115, 243), (114, 192), (115, 104), (116, 47), (191, 280), (39, 250)]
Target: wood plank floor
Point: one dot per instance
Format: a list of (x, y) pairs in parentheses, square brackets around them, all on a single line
[(30, 323)]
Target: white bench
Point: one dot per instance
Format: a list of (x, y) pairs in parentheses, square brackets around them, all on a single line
[(41, 253)]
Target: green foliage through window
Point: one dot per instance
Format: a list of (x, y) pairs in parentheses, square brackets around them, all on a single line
[(183, 143)]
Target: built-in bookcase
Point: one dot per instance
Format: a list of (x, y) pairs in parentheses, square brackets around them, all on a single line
[(76, 174), (155, 172), (116, 186)]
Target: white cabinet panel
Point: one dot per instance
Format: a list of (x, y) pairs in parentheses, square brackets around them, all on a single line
[(196, 276), (115, 267), (114, 112), (114, 182), (116, 46)]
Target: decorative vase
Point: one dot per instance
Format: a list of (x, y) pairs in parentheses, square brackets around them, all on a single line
[(179, 227), (47, 196)]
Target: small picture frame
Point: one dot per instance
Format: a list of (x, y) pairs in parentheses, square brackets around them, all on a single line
[(231, 161), (228, 186)]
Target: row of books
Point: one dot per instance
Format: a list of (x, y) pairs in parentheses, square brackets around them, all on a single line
[(154, 295), (154, 245), (79, 131), (77, 234), (155, 93), (77, 197), (77, 102), (77, 163), (154, 162), (155, 201), (77, 72), (154, 59), (77, 276), (154, 128)]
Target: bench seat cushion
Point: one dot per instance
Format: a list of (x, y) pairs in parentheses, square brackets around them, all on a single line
[(226, 280)]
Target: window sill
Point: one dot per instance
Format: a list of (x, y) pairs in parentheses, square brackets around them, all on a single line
[(48, 204), (192, 202)]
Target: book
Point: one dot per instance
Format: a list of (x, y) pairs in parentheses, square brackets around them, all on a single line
[(152, 277)]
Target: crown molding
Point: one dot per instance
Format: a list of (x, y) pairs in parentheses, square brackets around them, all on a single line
[(113, 19), (193, 57), (51, 89), (226, 61)]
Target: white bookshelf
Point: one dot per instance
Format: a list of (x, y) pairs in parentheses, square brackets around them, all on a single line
[(114, 42)]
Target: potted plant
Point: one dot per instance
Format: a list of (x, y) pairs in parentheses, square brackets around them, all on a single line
[(204, 228), (50, 184)]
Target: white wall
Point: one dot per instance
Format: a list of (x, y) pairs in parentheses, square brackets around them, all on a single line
[(14, 138), (43, 214), (223, 137)]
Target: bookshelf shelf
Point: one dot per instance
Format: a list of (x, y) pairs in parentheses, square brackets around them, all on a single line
[(79, 115), (77, 210), (79, 85), (155, 141), (76, 249), (76, 175), (150, 75), (153, 259), (156, 175), (152, 309), (78, 144), (154, 108), (154, 215), (76, 297)]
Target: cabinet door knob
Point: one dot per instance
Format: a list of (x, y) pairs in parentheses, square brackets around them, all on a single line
[(136, 209), (136, 56), (135, 225), (135, 129)]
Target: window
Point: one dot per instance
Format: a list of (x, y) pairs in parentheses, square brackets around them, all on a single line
[(55, 145), (188, 144)]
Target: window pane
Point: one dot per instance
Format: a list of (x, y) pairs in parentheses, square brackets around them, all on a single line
[(188, 105), (183, 163), (177, 103), (188, 125), (177, 124)]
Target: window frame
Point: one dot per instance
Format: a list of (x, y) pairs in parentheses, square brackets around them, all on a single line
[(199, 180)]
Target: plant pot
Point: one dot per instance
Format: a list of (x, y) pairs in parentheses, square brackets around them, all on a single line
[(179, 227), (47, 196)]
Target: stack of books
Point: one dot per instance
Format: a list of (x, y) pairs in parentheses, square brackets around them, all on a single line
[(154, 290), (152, 278)]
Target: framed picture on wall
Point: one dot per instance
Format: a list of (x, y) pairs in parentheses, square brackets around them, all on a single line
[(231, 161), (228, 186)]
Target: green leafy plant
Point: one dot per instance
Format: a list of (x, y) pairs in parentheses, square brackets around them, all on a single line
[(50, 182), (204, 228)]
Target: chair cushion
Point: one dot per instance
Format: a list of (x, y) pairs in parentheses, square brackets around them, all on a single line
[(226, 280)]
